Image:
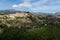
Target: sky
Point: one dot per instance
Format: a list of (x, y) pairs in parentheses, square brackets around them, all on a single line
[(49, 6)]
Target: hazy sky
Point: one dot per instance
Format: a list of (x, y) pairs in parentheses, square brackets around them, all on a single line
[(31, 5)]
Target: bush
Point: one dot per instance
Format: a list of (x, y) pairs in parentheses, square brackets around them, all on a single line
[(42, 33)]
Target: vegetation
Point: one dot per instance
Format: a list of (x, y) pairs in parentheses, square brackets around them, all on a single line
[(43, 33), (45, 28)]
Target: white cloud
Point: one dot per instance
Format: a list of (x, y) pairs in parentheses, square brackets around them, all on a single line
[(46, 8), (14, 5), (38, 4), (26, 3), (54, 2)]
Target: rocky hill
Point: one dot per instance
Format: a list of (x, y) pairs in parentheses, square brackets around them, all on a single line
[(26, 19), (19, 19)]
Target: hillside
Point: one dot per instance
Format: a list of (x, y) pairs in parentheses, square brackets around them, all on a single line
[(21, 19), (27, 19), (21, 25)]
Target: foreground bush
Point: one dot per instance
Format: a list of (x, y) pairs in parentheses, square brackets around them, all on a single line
[(43, 33)]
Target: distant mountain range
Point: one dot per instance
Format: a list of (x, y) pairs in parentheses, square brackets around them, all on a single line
[(13, 11)]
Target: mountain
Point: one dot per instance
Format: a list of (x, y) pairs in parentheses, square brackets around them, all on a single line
[(8, 11), (26, 19), (17, 18), (57, 13), (21, 25)]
